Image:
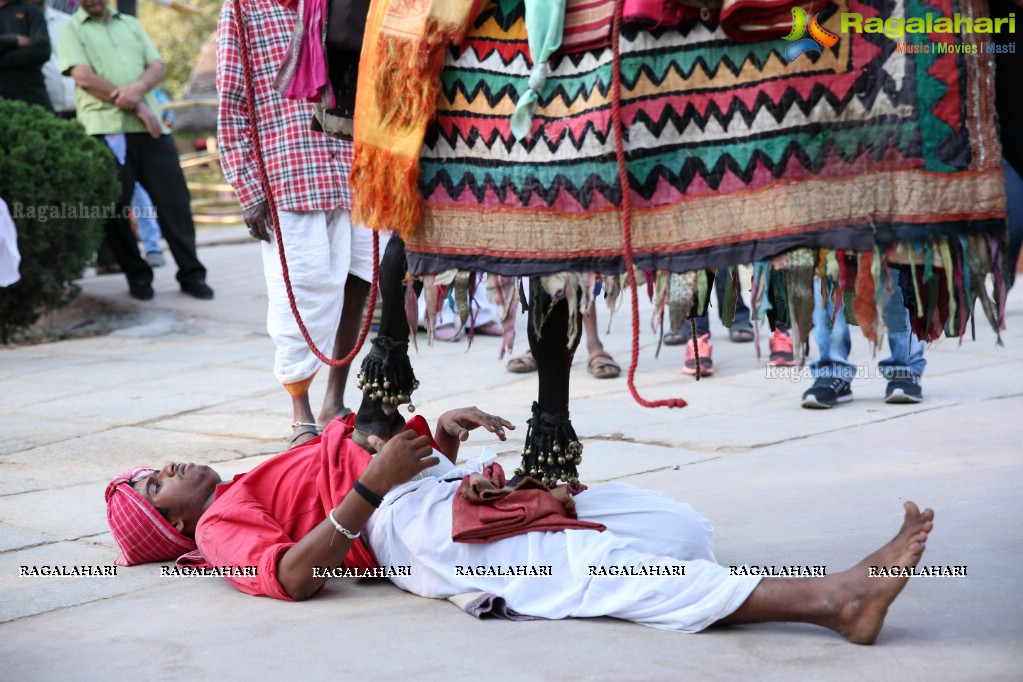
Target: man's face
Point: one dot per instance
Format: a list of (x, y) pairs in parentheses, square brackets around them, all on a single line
[(183, 490), (96, 8)]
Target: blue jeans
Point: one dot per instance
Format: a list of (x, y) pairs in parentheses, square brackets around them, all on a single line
[(834, 343), (145, 220)]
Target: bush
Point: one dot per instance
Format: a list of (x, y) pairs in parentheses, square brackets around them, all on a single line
[(59, 184)]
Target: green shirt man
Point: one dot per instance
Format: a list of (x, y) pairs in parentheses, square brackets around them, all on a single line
[(115, 66)]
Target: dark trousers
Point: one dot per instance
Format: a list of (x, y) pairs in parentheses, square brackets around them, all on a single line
[(154, 164)]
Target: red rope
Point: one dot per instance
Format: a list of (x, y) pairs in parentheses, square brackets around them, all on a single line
[(623, 179), (271, 203)]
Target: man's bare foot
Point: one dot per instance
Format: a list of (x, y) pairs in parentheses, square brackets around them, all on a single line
[(862, 611), (331, 412)]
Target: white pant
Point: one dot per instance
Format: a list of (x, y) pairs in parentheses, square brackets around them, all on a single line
[(321, 248), (644, 528)]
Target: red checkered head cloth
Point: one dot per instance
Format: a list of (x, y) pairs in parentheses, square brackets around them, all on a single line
[(139, 529)]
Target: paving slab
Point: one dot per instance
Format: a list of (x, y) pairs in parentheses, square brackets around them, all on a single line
[(187, 379)]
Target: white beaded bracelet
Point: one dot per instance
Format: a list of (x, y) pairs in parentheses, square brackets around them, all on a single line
[(341, 529)]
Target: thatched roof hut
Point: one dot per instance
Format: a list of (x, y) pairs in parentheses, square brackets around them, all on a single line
[(202, 90)]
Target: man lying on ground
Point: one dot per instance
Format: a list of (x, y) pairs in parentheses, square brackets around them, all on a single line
[(329, 503)]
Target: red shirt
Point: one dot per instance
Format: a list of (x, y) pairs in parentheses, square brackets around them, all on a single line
[(258, 516)]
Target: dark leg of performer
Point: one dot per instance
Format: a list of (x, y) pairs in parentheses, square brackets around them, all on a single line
[(552, 450), (552, 353), (386, 379)]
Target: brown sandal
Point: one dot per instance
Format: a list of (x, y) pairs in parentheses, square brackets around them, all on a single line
[(304, 429), (522, 364), (602, 365)]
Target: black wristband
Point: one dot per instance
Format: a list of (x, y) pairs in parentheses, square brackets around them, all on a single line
[(368, 495)]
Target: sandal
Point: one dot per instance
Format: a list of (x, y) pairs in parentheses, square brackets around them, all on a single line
[(447, 332), (602, 365), (673, 339), (306, 432), (523, 364), (492, 328), (741, 334)]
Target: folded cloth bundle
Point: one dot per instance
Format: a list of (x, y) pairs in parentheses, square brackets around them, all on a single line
[(485, 511)]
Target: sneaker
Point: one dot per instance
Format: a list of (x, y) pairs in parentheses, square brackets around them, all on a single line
[(706, 364), (827, 392), (903, 387), (155, 259), (781, 350), (198, 290)]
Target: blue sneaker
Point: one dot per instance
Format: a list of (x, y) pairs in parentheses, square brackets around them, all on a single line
[(903, 387), (827, 392)]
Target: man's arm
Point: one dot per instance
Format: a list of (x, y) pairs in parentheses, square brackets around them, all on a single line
[(101, 88), (128, 97), (93, 83), (234, 138), (12, 41), (398, 460), (453, 428), (17, 51)]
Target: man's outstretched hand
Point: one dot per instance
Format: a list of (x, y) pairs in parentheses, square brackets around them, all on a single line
[(397, 460), (453, 428), (460, 422)]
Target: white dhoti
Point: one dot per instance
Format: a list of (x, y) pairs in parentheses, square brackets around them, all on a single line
[(644, 529), (322, 248)]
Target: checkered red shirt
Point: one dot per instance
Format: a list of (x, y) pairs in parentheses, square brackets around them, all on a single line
[(308, 170)]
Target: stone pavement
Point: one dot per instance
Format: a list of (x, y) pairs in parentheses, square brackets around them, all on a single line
[(191, 380)]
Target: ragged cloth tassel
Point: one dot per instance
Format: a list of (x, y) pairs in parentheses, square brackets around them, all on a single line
[(864, 308), (799, 266), (460, 295), (799, 298), (979, 258), (435, 290), (999, 262), (944, 252), (760, 301), (729, 296), (503, 292), (681, 296)]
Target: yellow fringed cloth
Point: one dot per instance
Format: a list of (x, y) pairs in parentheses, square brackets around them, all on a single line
[(402, 56)]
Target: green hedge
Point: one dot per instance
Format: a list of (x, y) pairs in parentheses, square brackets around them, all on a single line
[(60, 185)]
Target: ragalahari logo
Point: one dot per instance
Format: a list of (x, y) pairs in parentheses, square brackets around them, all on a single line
[(819, 38)]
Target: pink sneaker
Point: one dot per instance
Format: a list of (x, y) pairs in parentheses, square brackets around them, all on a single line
[(781, 350), (706, 363)]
